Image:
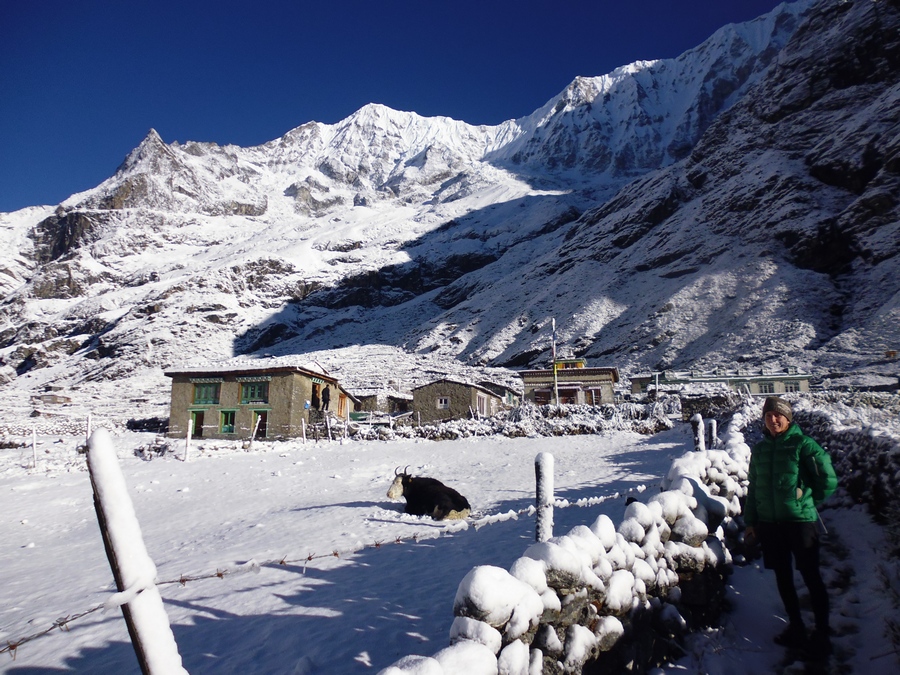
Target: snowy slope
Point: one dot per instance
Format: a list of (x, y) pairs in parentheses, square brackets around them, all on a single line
[(692, 211)]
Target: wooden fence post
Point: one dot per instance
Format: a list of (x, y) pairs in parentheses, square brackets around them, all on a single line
[(133, 570), (255, 429), (543, 471), (187, 439)]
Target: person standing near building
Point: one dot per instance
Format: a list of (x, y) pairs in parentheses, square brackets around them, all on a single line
[(326, 397), (790, 474)]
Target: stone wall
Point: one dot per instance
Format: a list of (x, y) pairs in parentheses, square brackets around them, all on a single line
[(601, 598)]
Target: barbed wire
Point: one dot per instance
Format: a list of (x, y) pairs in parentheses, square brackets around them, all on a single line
[(62, 623), (253, 566)]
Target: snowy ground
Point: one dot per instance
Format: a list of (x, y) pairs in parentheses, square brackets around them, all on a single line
[(349, 598)]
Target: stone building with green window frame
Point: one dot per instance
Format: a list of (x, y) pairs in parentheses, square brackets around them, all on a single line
[(269, 397), (761, 381)]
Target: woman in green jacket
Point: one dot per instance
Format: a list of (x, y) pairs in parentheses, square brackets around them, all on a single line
[(790, 474)]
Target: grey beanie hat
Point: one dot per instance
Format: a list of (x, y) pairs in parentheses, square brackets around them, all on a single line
[(778, 405)]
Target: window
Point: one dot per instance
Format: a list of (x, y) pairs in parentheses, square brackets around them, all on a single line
[(791, 386), (766, 387), (206, 393), (443, 403), (255, 392), (226, 425)]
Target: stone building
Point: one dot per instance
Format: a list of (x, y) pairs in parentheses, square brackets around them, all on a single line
[(574, 382), (448, 399), (744, 380), (277, 400)]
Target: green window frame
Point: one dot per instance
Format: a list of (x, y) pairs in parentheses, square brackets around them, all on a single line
[(206, 393), (226, 422), (766, 387), (254, 392)]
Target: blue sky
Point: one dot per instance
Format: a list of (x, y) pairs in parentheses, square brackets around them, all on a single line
[(82, 81)]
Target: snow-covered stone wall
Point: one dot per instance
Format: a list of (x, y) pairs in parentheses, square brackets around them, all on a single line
[(619, 595), (531, 420), (600, 591), (860, 432)]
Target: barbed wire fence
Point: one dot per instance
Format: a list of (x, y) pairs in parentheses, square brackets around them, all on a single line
[(62, 623)]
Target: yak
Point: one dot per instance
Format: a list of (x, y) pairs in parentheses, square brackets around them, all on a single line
[(428, 496)]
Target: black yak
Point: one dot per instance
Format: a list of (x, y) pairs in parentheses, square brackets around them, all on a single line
[(428, 496)]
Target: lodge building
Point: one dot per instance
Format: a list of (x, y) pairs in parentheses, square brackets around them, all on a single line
[(252, 399), (574, 382)]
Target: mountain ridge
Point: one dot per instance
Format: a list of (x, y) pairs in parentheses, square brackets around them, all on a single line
[(441, 243)]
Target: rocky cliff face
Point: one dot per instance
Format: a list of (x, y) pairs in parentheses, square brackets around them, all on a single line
[(738, 203)]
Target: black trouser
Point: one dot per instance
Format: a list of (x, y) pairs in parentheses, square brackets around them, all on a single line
[(780, 543)]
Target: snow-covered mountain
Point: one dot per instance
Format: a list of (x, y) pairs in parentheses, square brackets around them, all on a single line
[(737, 203)]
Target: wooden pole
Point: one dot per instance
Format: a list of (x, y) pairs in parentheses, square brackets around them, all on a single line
[(187, 439), (255, 429), (111, 556), (151, 636)]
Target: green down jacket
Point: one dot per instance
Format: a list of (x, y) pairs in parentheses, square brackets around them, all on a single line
[(789, 476)]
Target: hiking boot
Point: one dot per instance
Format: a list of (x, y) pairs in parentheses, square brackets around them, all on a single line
[(819, 644), (793, 637)]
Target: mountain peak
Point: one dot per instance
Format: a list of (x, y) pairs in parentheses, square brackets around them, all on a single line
[(151, 149)]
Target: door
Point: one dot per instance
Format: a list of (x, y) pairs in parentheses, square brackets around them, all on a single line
[(197, 424)]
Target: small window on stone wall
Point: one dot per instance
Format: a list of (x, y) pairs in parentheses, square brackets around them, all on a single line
[(227, 422)]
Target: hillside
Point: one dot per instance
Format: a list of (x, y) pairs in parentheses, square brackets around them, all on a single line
[(737, 203)]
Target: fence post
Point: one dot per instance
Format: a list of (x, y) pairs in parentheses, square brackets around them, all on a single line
[(255, 429), (187, 438), (34, 444), (543, 471), (699, 432), (133, 570)]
